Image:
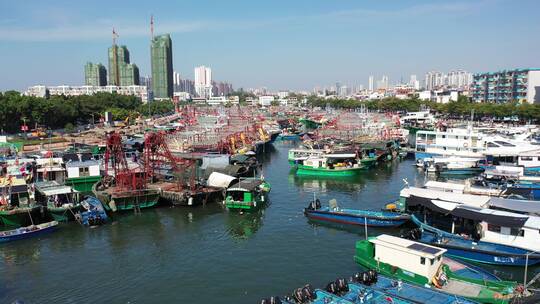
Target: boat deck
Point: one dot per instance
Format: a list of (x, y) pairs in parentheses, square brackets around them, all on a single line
[(463, 289)]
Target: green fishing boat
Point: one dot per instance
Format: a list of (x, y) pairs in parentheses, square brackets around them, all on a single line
[(82, 175), (423, 265), (117, 200), (62, 201), (330, 165), (247, 195), (16, 207), (308, 123)]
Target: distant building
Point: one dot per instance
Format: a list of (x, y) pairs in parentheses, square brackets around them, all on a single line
[(457, 79), (95, 74), (266, 100), (203, 81), (45, 91), (121, 71), (162, 67), (370, 83), (522, 85), (413, 82)]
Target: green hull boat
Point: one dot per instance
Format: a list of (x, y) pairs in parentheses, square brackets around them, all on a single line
[(422, 265), (118, 201), (247, 195), (20, 216), (83, 184), (338, 172), (64, 214)]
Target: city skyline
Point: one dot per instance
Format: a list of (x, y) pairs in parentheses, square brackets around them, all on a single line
[(307, 44)]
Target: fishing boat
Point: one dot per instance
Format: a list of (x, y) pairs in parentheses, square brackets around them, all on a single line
[(456, 168), (247, 194), (94, 214), (82, 175), (472, 250), (61, 201), (27, 232), (422, 264), (335, 214), (117, 199), (16, 207), (337, 165)]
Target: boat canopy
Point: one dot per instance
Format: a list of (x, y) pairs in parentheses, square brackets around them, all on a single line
[(246, 185), (495, 217), (526, 206), (220, 180), (49, 188), (414, 193)]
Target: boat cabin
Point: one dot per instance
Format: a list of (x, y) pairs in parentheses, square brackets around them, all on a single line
[(14, 192), (332, 161), (53, 194), (82, 169), (245, 194), (50, 169), (408, 255)]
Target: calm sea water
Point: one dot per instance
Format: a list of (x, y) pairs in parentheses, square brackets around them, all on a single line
[(205, 254)]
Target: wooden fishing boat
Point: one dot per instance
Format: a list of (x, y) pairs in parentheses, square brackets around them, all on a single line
[(472, 250), (421, 264), (333, 213), (247, 194), (27, 232), (330, 165), (61, 201)]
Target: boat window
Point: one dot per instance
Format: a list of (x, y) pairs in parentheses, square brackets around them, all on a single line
[(431, 261), (84, 171), (423, 261), (526, 158), (494, 228), (517, 231), (492, 145), (438, 258), (444, 136), (503, 143)]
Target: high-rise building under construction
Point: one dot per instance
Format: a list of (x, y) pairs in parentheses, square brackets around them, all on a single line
[(121, 72), (95, 74), (162, 67)]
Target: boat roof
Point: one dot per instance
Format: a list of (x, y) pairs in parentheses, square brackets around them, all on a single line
[(400, 244), (532, 207), (342, 155), (49, 188), (246, 185), (86, 163), (468, 199)]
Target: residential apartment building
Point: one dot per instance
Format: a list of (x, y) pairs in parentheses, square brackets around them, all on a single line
[(522, 85), (95, 74)]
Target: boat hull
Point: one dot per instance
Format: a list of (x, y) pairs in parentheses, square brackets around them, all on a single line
[(20, 217), (310, 171), (353, 219), (61, 214), (83, 184), (15, 237)]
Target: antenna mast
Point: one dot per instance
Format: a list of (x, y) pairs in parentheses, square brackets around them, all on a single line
[(152, 26)]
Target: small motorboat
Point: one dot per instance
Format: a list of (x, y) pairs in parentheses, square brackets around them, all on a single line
[(94, 214), (334, 214), (27, 232)]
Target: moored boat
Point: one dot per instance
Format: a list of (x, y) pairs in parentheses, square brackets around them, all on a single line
[(61, 201), (247, 194), (27, 232), (473, 250), (422, 264), (94, 214), (333, 213), (330, 165)]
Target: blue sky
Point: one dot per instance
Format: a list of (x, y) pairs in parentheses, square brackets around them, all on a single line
[(278, 44)]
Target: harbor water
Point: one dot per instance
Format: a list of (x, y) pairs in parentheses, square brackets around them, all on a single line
[(206, 254)]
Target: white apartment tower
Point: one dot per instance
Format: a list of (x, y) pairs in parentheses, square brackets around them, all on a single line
[(370, 83), (203, 81)]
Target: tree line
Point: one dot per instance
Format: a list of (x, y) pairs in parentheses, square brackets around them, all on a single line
[(58, 111), (457, 109)]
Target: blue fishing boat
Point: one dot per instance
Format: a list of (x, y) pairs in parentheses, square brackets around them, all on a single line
[(27, 232), (286, 137), (334, 214), (95, 214), (471, 250)]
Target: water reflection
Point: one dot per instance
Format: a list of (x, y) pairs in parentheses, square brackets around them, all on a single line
[(326, 183), (242, 226)]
